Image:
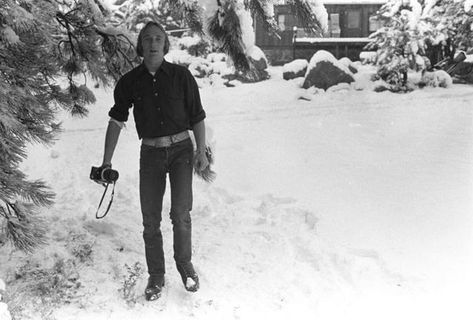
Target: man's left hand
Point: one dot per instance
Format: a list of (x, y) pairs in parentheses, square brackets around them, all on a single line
[(200, 161)]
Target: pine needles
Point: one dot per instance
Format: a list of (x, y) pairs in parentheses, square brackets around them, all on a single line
[(224, 27), (304, 12), (23, 228)]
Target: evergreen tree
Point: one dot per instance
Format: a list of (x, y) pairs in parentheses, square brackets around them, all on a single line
[(39, 42), (132, 14), (228, 23), (454, 18), (401, 44)]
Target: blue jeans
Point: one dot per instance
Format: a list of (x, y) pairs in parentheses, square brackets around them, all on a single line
[(155, 163)]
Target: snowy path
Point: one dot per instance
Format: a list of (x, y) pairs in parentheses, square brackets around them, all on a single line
[(355, 205)]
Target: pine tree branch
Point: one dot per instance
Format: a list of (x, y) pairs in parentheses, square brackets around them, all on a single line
[(307, 17), (224, 27), (192, 13), (257, 7)]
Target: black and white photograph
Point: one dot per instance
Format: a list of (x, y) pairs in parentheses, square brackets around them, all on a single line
[(236, 159)]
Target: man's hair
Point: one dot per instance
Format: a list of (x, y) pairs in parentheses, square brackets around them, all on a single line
[(139, 44)]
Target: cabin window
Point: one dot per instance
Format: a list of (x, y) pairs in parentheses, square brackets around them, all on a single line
[(334, 25), (286, 22), (353, 19), (281, 22)]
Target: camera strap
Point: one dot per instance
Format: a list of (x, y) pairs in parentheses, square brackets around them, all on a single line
[(101, 200)]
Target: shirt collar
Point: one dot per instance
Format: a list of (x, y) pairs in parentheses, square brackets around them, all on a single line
[(165, 67)]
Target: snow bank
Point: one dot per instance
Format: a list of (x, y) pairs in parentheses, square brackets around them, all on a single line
[(4, 313)]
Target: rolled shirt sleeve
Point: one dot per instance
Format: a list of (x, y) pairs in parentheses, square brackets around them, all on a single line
[(193, 103), (123, 101)]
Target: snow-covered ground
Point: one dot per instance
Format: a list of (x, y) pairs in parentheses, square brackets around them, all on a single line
[(354, 205)]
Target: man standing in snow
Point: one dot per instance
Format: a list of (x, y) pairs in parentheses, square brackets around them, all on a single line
[(166, 104)]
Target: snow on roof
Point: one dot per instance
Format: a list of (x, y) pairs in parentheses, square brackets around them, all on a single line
[(354, 1)]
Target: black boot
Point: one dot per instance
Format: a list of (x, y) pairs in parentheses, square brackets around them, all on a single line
[(154, 287), (189, 276)]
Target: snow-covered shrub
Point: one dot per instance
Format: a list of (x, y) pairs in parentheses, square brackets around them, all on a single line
[(81, 246), (52, 286), (134, 273), (199, 67), (368, 57), (181, 57), (216, 57), (221, 67), (188, 41), (195, 45), (437, 78), (401, 44)]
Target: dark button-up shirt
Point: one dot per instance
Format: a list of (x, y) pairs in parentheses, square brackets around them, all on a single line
[(163, 104)]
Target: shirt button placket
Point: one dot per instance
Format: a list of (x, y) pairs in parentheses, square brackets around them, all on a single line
[(156, 94)]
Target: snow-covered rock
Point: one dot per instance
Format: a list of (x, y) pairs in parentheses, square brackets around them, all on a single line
[(258, 66), (258, 58), (325, 70), (349, 64), (295, 69)]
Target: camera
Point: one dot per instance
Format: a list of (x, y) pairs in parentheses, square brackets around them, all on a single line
[(103, 174)]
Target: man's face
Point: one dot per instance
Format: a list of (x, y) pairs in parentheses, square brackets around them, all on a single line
[(153, 45)]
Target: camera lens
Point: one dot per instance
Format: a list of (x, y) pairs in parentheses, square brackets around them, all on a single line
[(110, 175)]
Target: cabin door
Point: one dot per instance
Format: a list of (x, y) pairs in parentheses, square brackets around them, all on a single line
[(351, 23)]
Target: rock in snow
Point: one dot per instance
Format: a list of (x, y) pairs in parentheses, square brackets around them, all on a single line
[(295, 69), (325, 70)]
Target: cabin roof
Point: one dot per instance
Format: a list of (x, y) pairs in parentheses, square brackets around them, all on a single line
[(334, 40), (354, 1)]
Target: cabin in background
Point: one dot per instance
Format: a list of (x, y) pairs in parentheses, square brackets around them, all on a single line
[(350, 22)]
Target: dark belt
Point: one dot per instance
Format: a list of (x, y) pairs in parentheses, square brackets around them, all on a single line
[(166, 141)]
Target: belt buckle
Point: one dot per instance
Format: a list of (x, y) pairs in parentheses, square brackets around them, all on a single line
[(175, 138)]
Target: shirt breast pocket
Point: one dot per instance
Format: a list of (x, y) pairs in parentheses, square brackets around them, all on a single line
[(175, 105)]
